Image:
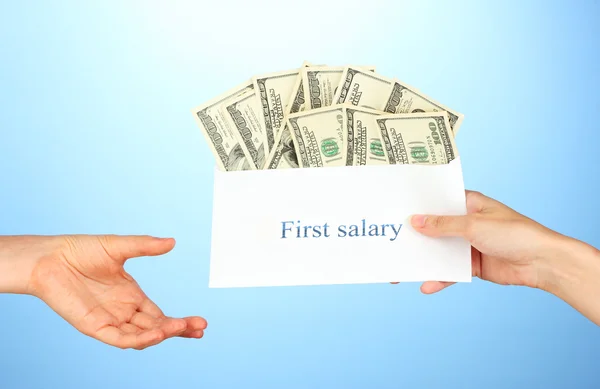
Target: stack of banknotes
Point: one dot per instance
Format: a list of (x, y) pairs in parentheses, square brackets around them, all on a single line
[(321, 116)]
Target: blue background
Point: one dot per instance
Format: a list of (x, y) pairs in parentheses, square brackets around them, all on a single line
[(97, 136)]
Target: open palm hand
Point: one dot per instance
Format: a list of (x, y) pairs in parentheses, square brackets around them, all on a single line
[(86, 283)]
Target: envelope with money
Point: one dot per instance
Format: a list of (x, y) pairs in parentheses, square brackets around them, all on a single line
[(317, 172)]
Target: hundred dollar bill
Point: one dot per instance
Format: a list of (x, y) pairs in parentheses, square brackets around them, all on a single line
[(219, 132), (368, 89), (245, 115), (274, 91), (320, 136), (417, 138), (407, 99), (321, 84), (296, 100), (363, 88), (283, 155), (364, 137)]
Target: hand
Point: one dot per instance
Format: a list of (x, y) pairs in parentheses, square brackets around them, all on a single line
[(507, 247), (84, 281)]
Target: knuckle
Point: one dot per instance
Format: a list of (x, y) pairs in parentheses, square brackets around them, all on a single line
[(475, 197), (474, 194), (69, 245), (476, 202), (107, 242)]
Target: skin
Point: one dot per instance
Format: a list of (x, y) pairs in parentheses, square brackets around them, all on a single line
[(509, 248), (82, 278)]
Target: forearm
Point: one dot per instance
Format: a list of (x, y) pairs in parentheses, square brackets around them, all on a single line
[(574, 276), (18, 258)]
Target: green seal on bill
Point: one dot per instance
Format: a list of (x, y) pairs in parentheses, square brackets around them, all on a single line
[(418, 151), (329, 147), (376, 147)]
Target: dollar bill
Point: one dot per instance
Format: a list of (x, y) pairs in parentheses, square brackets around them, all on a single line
[(245, 115), (321, 84), (274, 91), (417, 138), (407, 99), (368, 89), (283, 155), (219, 132), (297, 100), (365, 136), (320, 136), (363, 88)]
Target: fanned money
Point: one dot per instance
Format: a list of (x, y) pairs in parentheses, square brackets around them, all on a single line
[(324, 116)]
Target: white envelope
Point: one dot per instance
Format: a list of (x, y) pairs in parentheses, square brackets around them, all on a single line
[(256, 214)]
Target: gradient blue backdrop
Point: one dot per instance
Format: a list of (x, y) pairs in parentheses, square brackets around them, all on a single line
[(97, 137)]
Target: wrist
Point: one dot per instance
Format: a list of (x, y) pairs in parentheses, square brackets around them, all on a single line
[(569, 262), (19, 256)]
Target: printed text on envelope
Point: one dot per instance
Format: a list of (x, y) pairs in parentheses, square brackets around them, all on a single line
[(297, 229)]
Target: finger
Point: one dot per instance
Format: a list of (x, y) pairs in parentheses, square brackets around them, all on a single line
[(195, 327), (169, 326), (195, 323), (116, 337), (430, 287), (123, 247), (173, 327), (435, 226), (476, 263), (194, 334)]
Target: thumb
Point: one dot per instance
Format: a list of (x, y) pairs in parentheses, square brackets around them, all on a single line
[(432, 225), (123, 247)]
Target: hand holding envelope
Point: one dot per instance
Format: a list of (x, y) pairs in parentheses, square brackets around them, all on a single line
[(389, 151)]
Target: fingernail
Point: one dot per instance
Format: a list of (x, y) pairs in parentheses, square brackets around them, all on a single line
[(163, 239), (418, 221)]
